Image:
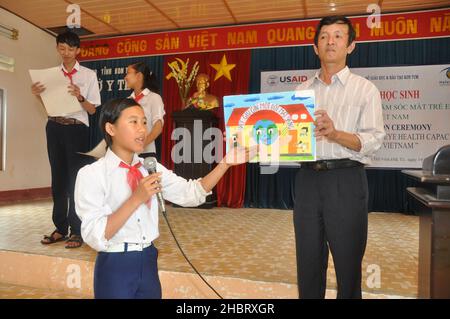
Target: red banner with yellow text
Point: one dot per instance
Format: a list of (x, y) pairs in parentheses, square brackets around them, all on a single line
[(398, 26)]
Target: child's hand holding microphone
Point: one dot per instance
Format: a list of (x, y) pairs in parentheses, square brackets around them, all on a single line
[(147, 187)]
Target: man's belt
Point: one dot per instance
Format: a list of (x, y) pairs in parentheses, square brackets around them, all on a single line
[(325, 165), (64, 120)]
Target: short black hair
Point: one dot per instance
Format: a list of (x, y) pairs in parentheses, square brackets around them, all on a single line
[(338, 20), (68, 37), (111, 111)]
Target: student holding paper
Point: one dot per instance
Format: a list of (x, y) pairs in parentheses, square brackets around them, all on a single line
[(66, 136)]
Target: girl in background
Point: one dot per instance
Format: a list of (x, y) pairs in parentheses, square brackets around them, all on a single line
[(143, 82)]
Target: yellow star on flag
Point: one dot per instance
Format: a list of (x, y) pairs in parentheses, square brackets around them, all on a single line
[(223, 69)]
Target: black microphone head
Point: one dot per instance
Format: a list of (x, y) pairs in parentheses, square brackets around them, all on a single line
[(150, 164)]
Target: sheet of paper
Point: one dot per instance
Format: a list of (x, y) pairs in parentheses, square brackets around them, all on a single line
[(57, 100), (98, 151)]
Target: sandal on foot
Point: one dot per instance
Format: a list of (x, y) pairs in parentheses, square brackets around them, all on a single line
[(74, 239), (51, 239)]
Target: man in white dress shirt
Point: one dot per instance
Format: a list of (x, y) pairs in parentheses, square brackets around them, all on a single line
[(330, 212)]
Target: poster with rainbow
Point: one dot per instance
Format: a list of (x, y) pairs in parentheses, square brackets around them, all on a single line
[(281, 123)]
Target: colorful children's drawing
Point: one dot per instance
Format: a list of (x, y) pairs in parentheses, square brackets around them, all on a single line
[(280, 123)]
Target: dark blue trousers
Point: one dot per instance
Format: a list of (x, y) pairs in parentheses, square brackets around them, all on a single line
[(127, 275)]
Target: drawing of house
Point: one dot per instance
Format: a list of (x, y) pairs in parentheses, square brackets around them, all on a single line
[(266, 126)]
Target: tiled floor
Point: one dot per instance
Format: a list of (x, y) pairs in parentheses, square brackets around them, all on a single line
[(20, 292), (8, 291), (254, 244)]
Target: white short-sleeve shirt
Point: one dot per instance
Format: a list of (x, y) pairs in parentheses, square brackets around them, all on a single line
[(86, 80), (153, 106)]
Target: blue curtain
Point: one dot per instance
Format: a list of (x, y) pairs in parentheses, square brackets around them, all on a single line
[(387, 188)]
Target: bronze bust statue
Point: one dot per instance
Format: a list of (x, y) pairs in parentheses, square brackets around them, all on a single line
[(201, 99)]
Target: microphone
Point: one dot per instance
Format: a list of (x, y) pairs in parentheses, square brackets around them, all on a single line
[(150, 166)]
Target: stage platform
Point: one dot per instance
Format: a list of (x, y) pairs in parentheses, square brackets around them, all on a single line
[(243, 253)]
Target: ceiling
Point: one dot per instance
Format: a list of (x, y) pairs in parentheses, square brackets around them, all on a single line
[(108, 17)]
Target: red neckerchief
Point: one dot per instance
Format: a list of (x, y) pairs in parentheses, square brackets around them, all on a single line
[(140, 96), (134, 175), (69, 74)]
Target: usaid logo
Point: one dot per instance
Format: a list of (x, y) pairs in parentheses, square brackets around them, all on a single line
[(272, 80), (293, 79)]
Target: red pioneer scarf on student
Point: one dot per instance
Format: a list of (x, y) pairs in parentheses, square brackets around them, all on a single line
[(134, 175), (69, 74), (140, 96)]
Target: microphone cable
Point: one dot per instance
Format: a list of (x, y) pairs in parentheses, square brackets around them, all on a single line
[(184, 255), (150, 164)]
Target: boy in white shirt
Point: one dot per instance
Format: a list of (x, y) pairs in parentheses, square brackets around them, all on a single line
[(67, 137)]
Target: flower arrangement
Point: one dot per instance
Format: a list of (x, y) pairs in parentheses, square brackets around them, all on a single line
[(180, 73)]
